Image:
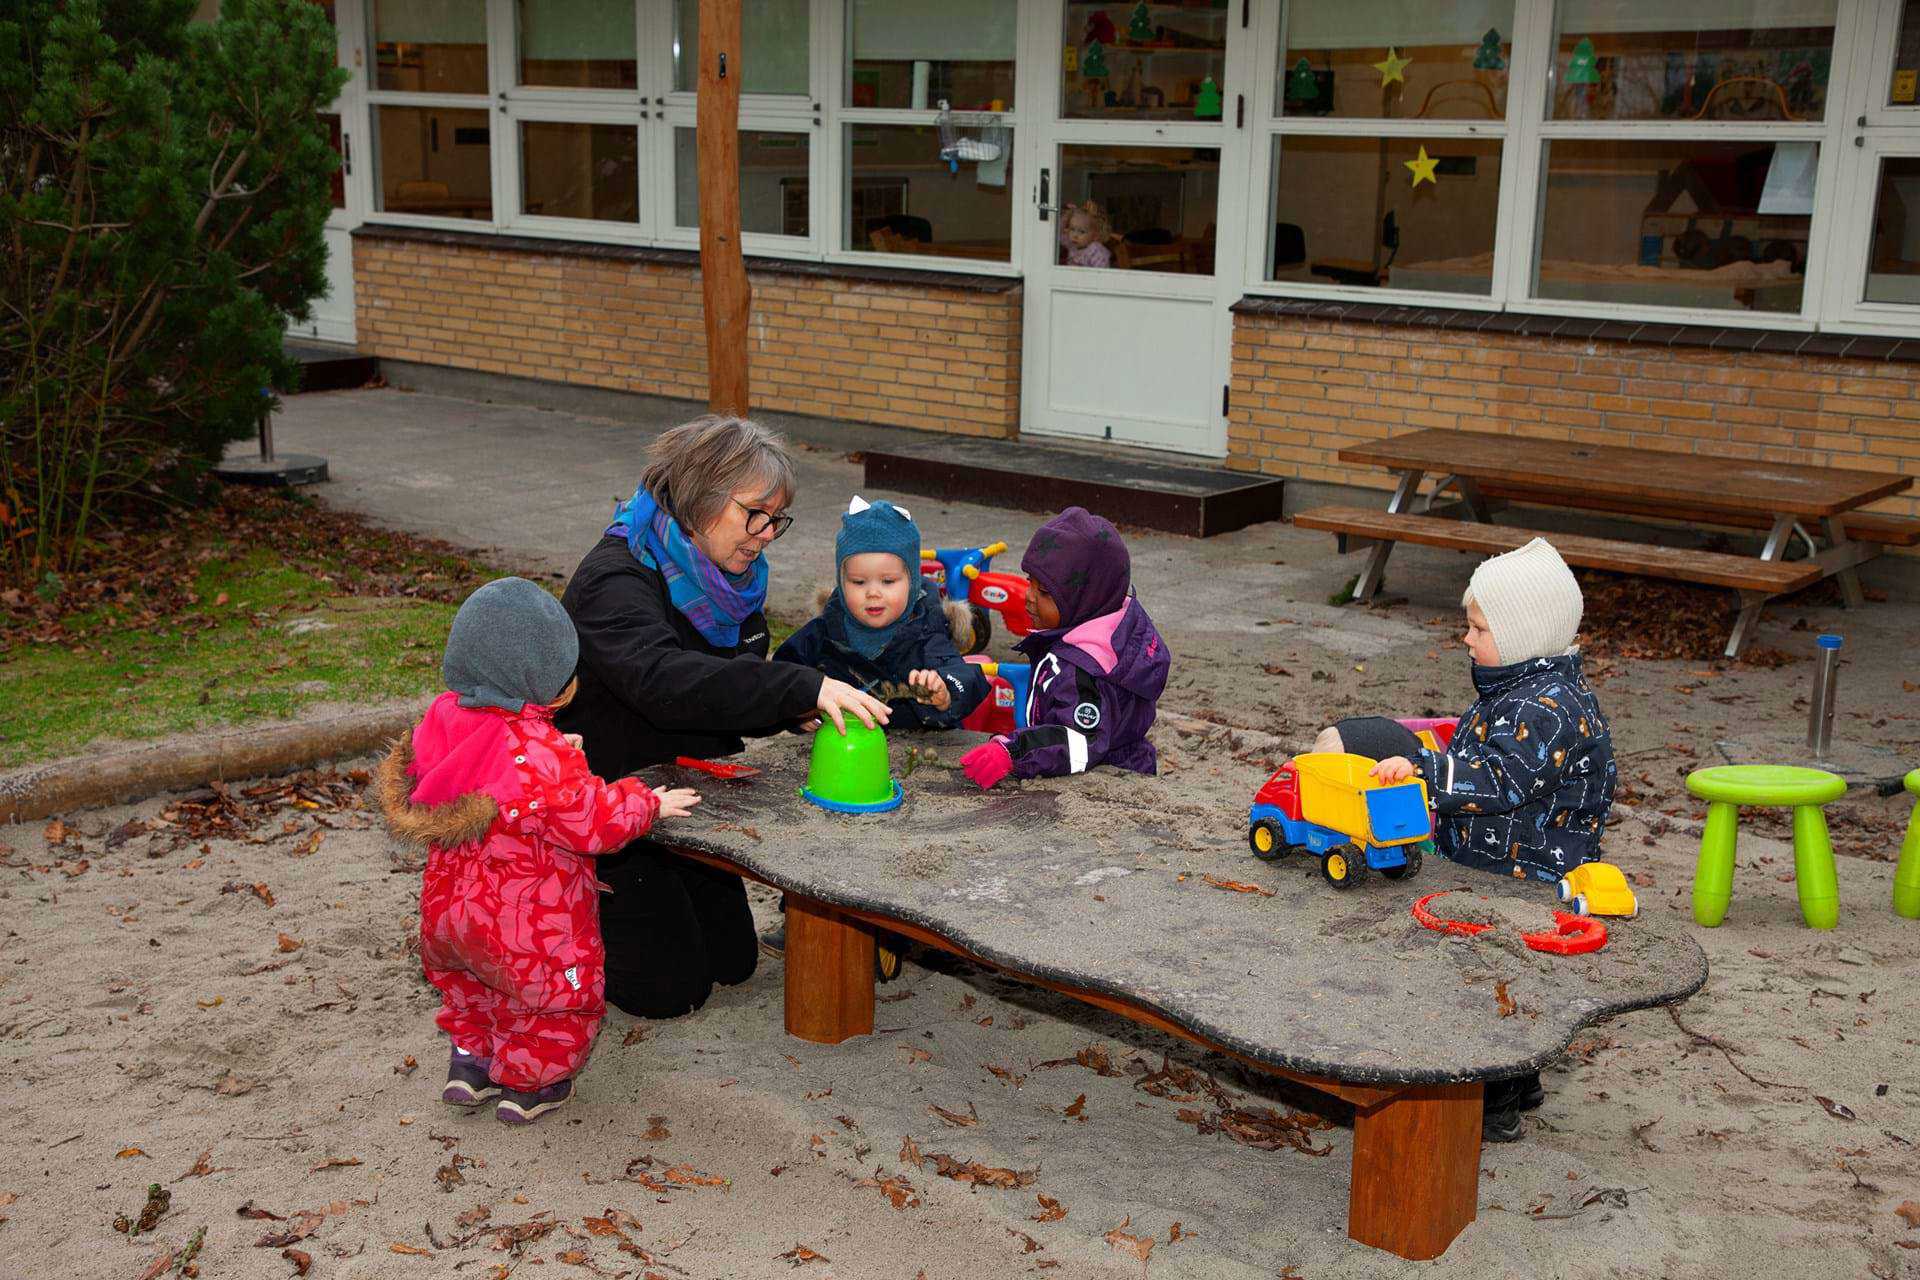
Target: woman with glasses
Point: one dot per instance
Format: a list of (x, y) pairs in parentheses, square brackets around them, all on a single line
[(669, 606)]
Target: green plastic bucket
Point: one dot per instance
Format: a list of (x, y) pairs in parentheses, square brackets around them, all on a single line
[(850, 773)]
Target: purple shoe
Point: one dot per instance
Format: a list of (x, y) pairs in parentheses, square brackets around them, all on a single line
[(467, 1084), (517, 1106)]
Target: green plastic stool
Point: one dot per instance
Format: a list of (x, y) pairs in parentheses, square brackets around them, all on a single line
[(1906, 876), (1774, 786)]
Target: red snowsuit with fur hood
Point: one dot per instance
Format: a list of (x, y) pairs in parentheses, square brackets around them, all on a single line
[(510, 815)]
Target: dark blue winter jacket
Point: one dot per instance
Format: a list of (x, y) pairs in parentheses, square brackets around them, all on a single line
[(922, 643), (1525, 788)]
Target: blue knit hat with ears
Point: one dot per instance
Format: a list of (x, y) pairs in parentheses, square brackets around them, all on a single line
[(877, 526)]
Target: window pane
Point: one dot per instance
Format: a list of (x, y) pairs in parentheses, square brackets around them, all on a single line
[(577, 44), (1701, 60), (1396, 59), (580, 170), (1139, 208), (773, 45), (773, 181), (901, 198), (1144, 62), (1904, 91), (1893, 258), (1372, 211), (433, 160), (1677, 224), (914, 53), (429, 46)]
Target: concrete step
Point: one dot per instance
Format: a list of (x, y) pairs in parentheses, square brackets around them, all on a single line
[(330, 366)]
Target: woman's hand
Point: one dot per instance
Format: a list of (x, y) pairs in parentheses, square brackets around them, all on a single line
[(933, 688), (838, 700), (677, 803), (1394, 769)]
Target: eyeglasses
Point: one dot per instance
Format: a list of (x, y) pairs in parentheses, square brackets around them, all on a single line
[(758, 521)]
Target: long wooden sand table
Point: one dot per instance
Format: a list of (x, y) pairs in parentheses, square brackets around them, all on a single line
[(1109, 887)]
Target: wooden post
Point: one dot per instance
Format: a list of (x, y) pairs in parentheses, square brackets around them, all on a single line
[(829, 973), (723, 271), (1416, 1170)]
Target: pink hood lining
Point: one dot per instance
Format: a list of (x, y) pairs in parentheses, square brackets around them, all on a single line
[(1094, 637)]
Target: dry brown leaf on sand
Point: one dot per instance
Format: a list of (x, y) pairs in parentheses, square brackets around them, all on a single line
[(408, 1065), (1238, 886), (800, 1256), (336, 1162), (1051, 1210), (1909, 1212), (127, 1153), (1027, 1243), (954, 1118), (895, 1187), (202, 1166), (688, 1176), (410, 1249), (1508, 1005), (657, 1130), (910, 1151), (1176, 1235), (302, 1261), (289, 943), (973, 1173), (1078, 1107), (1125, 1243)]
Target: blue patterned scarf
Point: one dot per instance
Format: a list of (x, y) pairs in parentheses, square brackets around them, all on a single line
[(714, 601)]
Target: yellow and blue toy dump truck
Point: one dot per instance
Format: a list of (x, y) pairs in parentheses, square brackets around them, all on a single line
[(1328, 805)]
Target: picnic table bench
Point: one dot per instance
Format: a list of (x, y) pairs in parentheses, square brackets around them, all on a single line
[(1103, 887), (1816, 507)]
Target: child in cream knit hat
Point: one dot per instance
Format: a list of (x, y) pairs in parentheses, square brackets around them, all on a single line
[(1524, 789)]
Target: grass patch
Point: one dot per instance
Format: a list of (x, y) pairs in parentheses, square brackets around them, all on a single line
[(250, 610)]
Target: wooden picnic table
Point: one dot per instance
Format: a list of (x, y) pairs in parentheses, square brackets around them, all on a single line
[(1789, 500), (1118, 890)]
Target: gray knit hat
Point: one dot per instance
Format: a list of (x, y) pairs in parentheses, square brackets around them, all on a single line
[(511, 644), (1531, 599)]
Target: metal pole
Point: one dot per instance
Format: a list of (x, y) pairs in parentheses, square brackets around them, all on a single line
[(1820, 714)]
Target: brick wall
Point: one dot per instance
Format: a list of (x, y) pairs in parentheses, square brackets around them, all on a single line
[(1305, 388), (900, 353)]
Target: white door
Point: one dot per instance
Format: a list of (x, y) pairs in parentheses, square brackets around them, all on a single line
[(1877, 237), (332, 318), (1134, 255)]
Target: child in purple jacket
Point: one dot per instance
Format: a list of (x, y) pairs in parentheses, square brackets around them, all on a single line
[(1098, 663)]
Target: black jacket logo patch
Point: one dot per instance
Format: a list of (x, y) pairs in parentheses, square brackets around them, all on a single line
[(1087, 716)]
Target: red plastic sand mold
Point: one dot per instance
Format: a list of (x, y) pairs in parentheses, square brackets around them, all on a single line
[(1572, 935)]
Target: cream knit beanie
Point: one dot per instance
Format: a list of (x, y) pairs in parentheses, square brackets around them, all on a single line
[(1531, 600)]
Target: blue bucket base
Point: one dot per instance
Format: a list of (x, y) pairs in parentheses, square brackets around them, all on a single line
[(841, 806)]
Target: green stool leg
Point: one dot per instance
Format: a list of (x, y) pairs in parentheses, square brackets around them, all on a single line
[(1713, 874), (1813, 868), (1906, 877)]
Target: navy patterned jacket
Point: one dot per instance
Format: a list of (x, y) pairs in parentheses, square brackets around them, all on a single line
[(1525, 788)]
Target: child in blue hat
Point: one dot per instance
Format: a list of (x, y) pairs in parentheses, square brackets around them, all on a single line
[(884, 629)]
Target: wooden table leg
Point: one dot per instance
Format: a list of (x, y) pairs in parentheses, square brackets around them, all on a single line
[(829, 973), (1416, 1169)]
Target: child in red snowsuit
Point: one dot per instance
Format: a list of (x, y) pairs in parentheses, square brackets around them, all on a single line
[(510, 816)]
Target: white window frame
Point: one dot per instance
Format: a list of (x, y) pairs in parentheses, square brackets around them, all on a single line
[(1874, 130), (1837, 223), (374, 98)]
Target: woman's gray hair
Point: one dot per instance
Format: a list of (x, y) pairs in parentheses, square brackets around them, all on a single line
[(693, 469)]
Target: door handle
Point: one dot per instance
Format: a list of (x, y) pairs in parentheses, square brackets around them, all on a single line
[(1046, 184), (346, 154)]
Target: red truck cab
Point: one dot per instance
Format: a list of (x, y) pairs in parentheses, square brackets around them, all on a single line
[(1282, 791)]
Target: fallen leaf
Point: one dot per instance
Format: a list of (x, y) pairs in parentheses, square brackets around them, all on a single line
[(1176, 1235), (301, 1260), (408, 1065), (336, 1162), (55, 832), (232, 1086), (411, 1250), (954, 1118), (158, 1267), (800, 1256), (1237, 886), (895, 1187), (1078, 1107), (126, 1153), (250, 1210), (910, 1054), (214, 1003), (687, 1175), (1051, 1210), (1027, 1243), (657, 1130), (310, 845), (472, 1217), (1838, 1110), (973, 1173), (1909, 1212), (635, 1034), (1508, 1005), (290, 944), (910, 1151), (1125, 1243)]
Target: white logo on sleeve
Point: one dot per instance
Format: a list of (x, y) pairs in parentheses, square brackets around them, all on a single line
[(1087, 716)]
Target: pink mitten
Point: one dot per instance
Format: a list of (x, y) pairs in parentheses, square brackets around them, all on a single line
[(987, 763)]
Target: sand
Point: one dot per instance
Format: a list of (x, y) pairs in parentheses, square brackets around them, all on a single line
[(150, 1017)]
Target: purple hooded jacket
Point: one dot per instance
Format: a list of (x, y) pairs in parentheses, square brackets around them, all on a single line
[(1097, 677)]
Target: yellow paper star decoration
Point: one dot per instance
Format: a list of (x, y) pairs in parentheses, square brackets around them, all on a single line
[(1393, 68), (1422, 168)]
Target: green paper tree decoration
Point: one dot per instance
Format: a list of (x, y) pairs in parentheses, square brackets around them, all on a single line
[(1301, 84), (1488, 58), (1093, 63), (1140, 24), (1206, 103), (1584, 66)]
